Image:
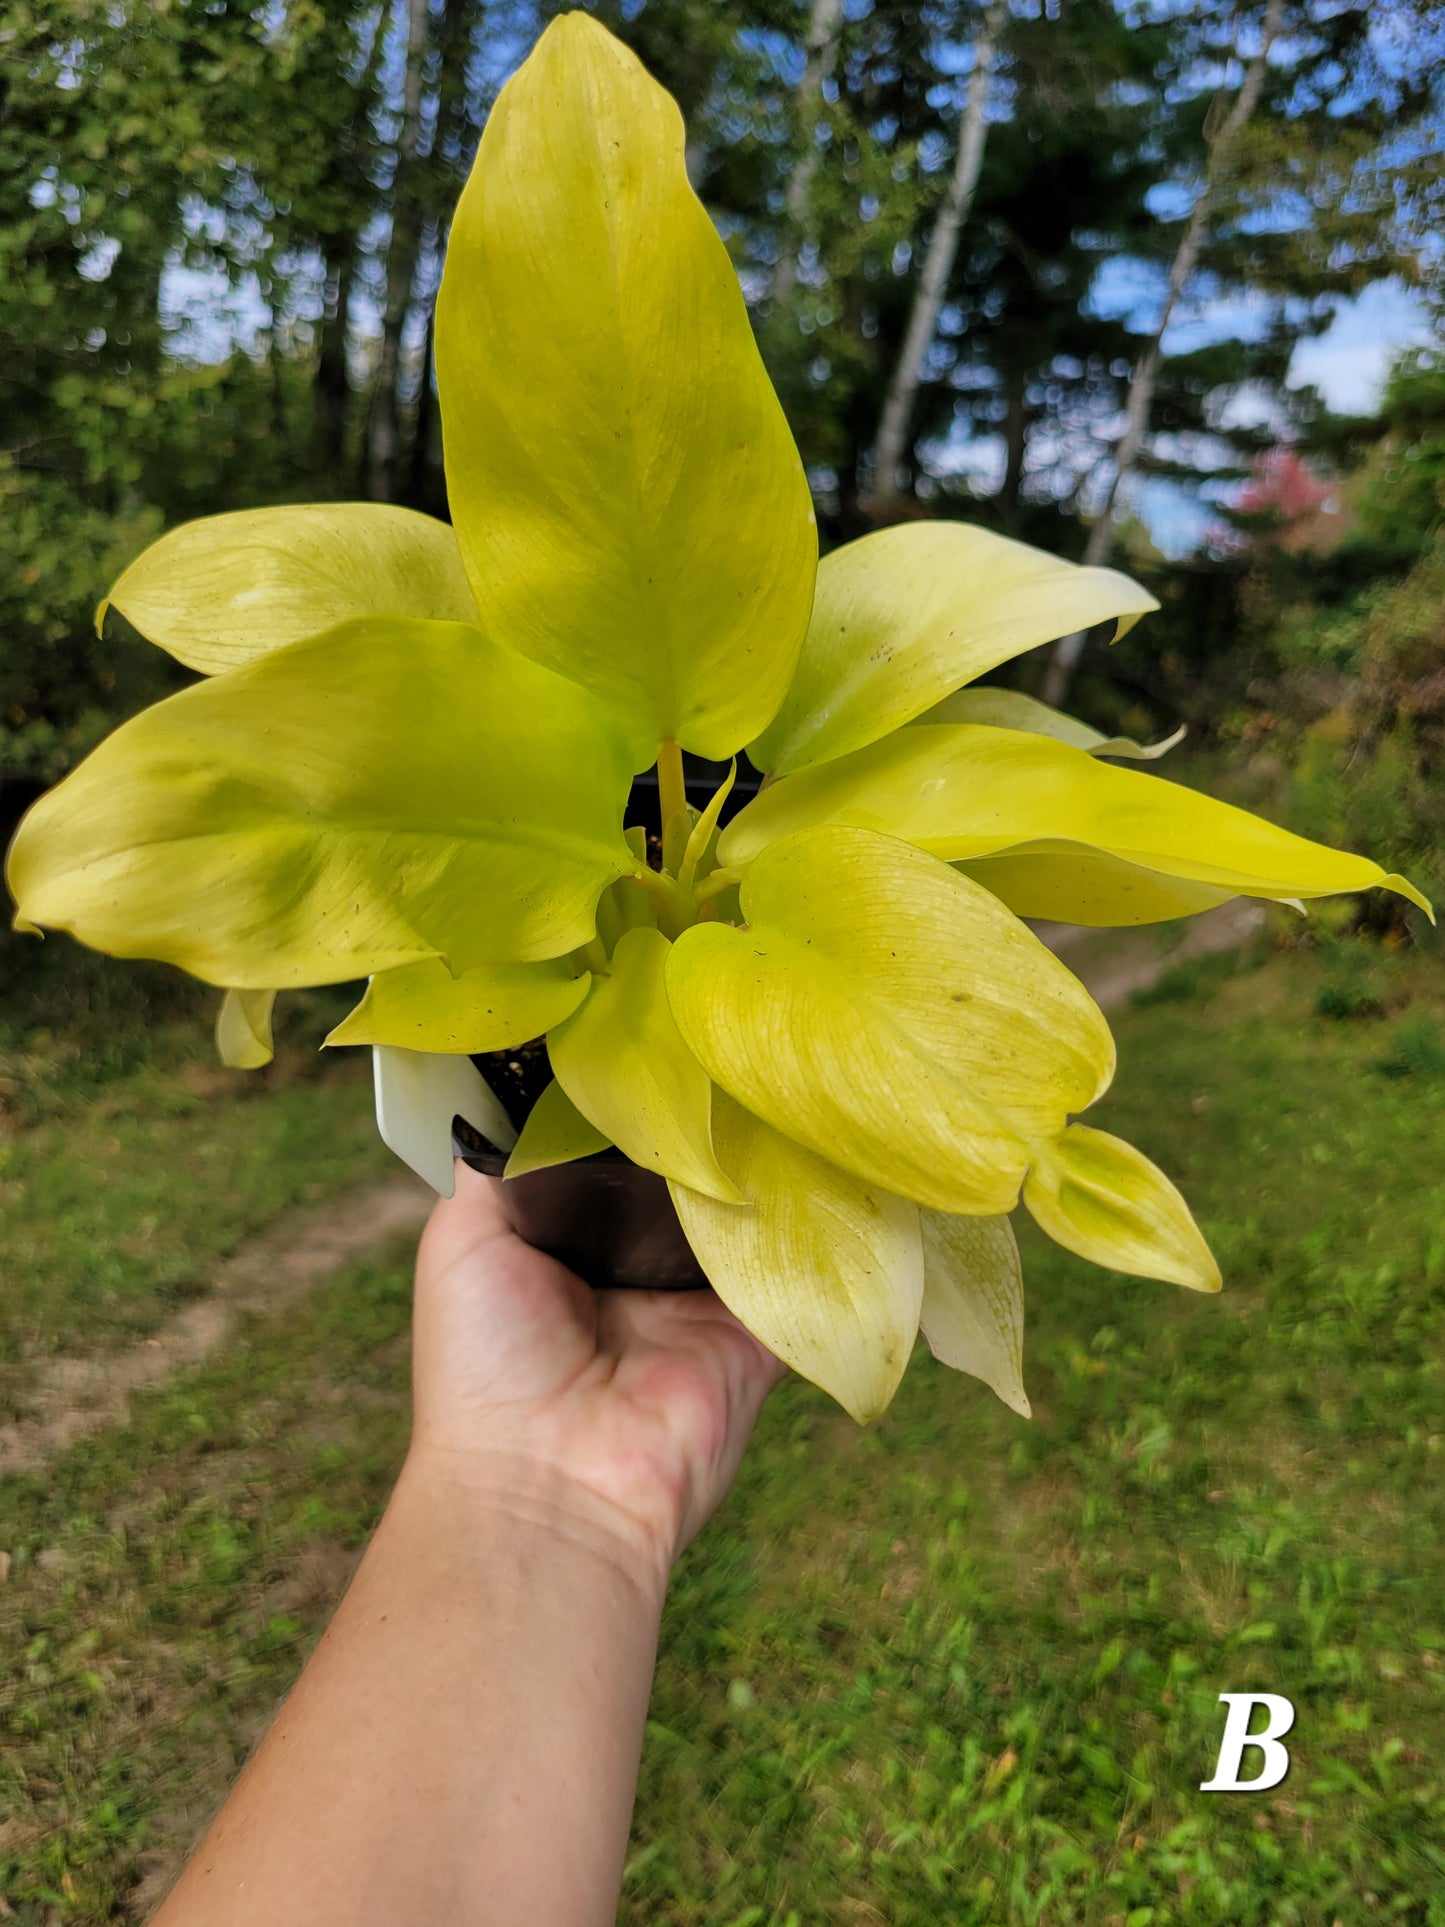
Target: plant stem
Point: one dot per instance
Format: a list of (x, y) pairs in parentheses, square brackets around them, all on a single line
[(671, 788), (675, 907)]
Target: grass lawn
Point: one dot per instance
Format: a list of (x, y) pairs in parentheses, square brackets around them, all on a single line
[(958, 1668), (131, 1162)]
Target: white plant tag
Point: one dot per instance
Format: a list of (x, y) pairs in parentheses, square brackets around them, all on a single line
[(418, 1093)]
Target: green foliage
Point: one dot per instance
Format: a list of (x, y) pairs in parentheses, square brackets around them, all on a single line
[(1417, 1049)]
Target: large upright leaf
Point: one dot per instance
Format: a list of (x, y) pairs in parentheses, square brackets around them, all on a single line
[(826, 1270), (1085, 842), (622, 1061), (629, 502), (892, 1016), (424, 1007), (907, 615), (218, 592), (1098, 1196), (386, 792)]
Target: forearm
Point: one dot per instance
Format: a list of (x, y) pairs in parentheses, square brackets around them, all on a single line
[(463, 1745)]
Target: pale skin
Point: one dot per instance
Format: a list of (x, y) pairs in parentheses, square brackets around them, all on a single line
[(463, 1745)]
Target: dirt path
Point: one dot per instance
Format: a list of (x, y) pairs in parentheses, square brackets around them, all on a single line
[(1116, 963), (77, 1396)]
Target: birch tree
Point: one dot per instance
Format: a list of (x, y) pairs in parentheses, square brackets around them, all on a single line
[(821, 52), (889, 449), (383, 428), (1222, 131)]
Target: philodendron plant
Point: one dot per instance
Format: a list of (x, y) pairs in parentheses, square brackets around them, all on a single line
[(825, 1023)]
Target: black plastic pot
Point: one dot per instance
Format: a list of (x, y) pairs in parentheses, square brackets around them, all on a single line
[(603, 1217)]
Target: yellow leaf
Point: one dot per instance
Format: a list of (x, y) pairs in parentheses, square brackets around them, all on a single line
[(555, 1133), (384, 793), (1069, 884), (218, 592), (1098, 1196), (826, 1271), (629, 502), (1085, 842), (892, 1016), (905, 616), (243, 1029), (622, 1061), (973, 1301), (1009, 709), (424, 1007)]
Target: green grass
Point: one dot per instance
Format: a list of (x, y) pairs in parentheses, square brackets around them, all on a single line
[(131, 1163), (958, 1668)]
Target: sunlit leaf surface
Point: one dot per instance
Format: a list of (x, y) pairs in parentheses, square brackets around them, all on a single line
[(386, 792), (555, 1133), (629, 502), (243, 1029), (905, 616), (424, 1007), (892, 1016), (966, 793), (1098, 1196), (220, 591), (1011, 709), (973, 1301), (826, 1270), (622, 1061)]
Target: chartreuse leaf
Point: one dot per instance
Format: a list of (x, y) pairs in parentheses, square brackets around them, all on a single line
[(1098, 1196), (555, 1133), (892, 1016), (1086, 842), (243, 1029), (903, 617), (973, 1301), (1072, 885), (622, 1061), (629, 502), (424, 1007), (1010, 709), (385, 792), (825, 1270), (218, 592)]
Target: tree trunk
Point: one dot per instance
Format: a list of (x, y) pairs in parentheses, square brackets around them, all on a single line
[(1218, 143), (418, 491), (383, 428), (1015, 435), (822, 50), (888, 451), (332, 391)]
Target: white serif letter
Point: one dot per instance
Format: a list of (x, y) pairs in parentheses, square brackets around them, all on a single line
[(1237, 1737)]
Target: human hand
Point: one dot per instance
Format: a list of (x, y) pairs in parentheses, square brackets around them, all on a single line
[(628, 1410)]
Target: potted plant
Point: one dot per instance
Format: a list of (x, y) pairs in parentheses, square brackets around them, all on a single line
[(822, 1025)]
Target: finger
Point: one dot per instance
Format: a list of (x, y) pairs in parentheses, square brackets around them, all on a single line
[(470, 1253), (666, 1316), (470, 1217)]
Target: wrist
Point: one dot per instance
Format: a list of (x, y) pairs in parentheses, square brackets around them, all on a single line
[(518, 1504)]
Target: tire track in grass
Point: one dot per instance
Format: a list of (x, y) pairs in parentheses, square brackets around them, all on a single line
[(75, 1397)]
